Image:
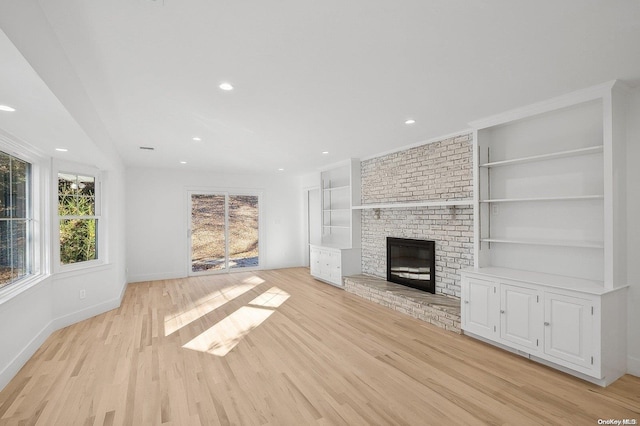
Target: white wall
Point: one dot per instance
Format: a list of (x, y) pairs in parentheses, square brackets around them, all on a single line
[(157, 215), (28, 318), (25, 323), (633, 232), (103, 285)]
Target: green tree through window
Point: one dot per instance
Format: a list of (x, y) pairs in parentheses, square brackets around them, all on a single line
[(78, 219)]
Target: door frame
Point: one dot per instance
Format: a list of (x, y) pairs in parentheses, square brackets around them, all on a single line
[(307, 225), (227, 192)]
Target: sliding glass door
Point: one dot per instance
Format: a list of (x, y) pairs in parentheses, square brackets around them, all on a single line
[(224, 231)]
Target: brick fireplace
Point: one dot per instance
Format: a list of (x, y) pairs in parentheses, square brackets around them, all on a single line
[(440, 170)]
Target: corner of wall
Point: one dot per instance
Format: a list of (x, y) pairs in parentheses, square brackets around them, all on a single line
[(633, 238), (633, 366)]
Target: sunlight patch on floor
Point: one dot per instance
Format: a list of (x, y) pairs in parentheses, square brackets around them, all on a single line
[(226, 334), (271, 298), (208, 304), (253, 280)]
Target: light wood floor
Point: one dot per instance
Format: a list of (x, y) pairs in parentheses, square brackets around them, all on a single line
[(305, 353)]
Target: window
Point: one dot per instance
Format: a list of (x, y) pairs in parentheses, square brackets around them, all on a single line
[(78, 216), (224, 231), (15, 219)]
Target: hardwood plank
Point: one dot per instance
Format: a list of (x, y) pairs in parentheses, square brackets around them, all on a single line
[(322, 356)]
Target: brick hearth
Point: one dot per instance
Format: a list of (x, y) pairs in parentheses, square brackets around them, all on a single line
[(440, 310)]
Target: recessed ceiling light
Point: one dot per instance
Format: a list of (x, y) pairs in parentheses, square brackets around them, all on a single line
[(281, 169), (183, 162), (410, 121), (197, 139), (62, 149), (6, 108), (325, 152), (226, 86)]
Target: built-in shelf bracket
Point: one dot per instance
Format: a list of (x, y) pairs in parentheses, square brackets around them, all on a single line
[(453, 210)]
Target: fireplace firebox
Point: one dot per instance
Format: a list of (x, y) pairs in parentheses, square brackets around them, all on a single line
[(412, 263)]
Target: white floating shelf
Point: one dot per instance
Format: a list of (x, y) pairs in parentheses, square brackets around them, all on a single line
[(543, 157), (336, 227), (336, 188), (443, 203), (555, 243), (346, 209), (568, 198)]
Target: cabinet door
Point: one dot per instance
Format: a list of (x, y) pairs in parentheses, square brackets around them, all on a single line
[(480, 307), (335, 267), (568, 330), (521, 317), (314, 261), (325, 264)]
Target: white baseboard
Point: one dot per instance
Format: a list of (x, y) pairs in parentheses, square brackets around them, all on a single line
[(633, 366), (27, 352), (86, 313), (124, 289), (155, 277)]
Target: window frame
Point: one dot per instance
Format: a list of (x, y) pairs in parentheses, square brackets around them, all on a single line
[(38, 257), (227, 192), (82, 170)]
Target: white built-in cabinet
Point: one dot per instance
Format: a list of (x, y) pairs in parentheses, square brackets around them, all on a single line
[(547, 323), (338, 254), (549, 272), (330, 264)]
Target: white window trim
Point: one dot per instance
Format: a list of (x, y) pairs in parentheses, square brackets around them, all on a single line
[(40, 253), (60, 166)]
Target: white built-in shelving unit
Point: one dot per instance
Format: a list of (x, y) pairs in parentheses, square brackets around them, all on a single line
[(340, 191), (338, 254), (549, 274)]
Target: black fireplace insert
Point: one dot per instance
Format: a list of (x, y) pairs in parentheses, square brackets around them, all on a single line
[(412, 263)]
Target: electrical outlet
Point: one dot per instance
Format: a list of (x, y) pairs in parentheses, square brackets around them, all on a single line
[(495, 209), (82, 294)]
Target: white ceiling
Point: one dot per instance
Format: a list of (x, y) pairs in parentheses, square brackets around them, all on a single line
[(35, 103), (309, 76)]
